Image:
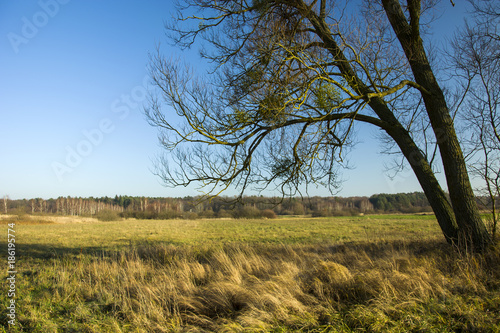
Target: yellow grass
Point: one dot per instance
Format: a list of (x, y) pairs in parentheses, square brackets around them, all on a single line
[(356, 274), (87, 232)]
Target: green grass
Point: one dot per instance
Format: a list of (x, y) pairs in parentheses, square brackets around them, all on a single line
[(106, 235), (387, 273)]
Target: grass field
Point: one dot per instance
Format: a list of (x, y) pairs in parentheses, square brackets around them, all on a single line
[(387, 273)]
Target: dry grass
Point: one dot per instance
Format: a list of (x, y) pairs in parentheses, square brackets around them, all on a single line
[(236, 286), (44, 219)]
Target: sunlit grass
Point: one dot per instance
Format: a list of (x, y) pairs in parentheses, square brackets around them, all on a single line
[(343, 274), (114, 234)]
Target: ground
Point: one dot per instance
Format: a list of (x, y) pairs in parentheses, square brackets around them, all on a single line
[(372, 273)]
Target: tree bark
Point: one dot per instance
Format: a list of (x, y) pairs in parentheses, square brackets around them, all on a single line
[(425, 176), (472, 231)]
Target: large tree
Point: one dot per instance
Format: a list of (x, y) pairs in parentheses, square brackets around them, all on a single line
[(290, 83)]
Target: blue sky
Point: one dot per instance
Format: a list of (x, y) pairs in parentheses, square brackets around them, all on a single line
[(72, 88)]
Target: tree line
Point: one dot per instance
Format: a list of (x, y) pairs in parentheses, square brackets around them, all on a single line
[(223, 207)]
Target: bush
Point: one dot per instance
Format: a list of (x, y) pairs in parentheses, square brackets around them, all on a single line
[(19, 212), (320, 213), (223, 214), (346, 212), (342, 212), (151, 215), (298, 209), (146, 215), (190, 216), (107, 215), (207, 214), (247, 212), (168, 215), (268, 214)]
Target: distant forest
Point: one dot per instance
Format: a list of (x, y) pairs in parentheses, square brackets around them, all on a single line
[(221, 207)]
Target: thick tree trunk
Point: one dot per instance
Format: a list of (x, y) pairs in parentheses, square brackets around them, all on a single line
[(425, 176), (472, 231)]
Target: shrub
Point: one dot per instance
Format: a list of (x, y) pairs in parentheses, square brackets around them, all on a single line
[(168, 215), (298, 209), (208, 214), (190, 216), (223, 214), (151, 215), (320, 213), (247, 212), (107, 215), (20, 213), (146, 215), (346, 212), (268, 214)]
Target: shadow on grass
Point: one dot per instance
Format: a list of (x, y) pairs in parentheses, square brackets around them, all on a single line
[(46, 252), (374, 249)]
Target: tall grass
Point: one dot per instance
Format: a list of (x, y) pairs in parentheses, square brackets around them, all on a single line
[(230, 285)]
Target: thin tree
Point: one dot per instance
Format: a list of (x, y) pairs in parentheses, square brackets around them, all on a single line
[(291, 81), (477, 60), (5, 202)]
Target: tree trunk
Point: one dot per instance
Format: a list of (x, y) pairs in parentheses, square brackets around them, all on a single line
[(444, 213), (426, 178), (472, 231)]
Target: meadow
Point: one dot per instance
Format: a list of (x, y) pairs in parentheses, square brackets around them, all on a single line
[(373, 273)]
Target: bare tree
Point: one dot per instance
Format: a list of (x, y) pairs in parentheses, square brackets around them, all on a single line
[(291, 81), (5, 202), (477, 60)]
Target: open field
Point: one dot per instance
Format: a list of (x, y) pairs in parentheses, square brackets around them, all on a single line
[(387, 273)]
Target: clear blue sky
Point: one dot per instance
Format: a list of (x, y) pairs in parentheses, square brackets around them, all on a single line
[(72, 83)]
